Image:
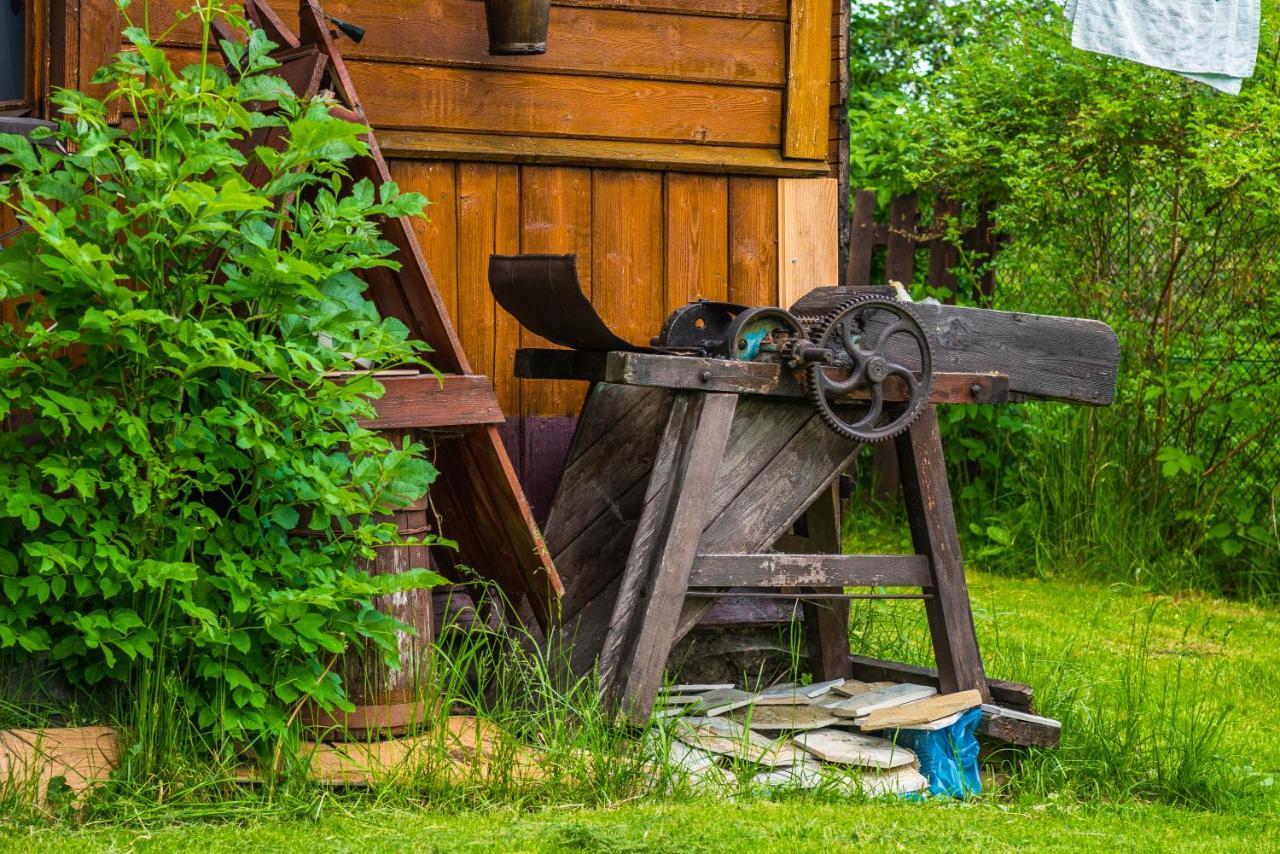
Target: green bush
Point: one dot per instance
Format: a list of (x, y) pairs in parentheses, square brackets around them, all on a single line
[(1122, 193), (186, 498)]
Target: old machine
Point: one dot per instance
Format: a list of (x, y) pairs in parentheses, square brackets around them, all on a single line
[(705, 464)]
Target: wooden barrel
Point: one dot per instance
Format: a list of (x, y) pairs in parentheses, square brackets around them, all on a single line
[(389, 702), (517, 26)]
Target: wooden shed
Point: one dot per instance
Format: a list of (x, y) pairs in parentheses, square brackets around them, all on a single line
[(681, 148)]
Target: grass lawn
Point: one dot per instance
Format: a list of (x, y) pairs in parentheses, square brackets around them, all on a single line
[(1169, 742)]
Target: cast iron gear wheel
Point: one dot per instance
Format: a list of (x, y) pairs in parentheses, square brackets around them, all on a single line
[(842, 333)]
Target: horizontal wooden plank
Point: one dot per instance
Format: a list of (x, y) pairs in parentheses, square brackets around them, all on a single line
[(724, 375), (769, 9), (1057, 358), (658, 156), (429, 98), (466, 100), (584, 40), (809, 570), (1009, 694), (1017, 727), (426, 401)]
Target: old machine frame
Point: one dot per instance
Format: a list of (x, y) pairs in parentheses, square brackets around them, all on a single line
[(706, 463)]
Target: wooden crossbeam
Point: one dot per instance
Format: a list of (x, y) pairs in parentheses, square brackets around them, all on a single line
[(809, 570), (726, 375), (426, 401)]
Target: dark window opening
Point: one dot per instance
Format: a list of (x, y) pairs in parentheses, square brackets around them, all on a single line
[(13, 51)]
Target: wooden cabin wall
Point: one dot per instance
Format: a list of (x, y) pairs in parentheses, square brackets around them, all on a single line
[(682, 149)]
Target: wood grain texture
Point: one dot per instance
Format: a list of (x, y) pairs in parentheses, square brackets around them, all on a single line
[(1012, 695), (428, 401), (922, 711), (808, 246), (1017, 727), (697, 237), (555, 217), (809, 570), (601, 41), (753, 241), (627, 253), (477, 236), (904, 220), (703, 374), (628, 154), (647, 611), (771, 9), (927, 496), (437, 229), (559, 105), (808, 79)]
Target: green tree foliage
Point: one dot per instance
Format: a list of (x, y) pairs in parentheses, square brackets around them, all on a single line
[(1123, 193), (186, 498)]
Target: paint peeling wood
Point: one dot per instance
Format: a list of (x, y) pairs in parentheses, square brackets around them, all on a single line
[(921, 711), (864, 704), (850, 748)]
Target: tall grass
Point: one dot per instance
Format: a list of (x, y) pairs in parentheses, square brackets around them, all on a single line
[(1132, 727)]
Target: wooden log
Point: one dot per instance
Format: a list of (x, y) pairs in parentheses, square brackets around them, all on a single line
[(809, 570)]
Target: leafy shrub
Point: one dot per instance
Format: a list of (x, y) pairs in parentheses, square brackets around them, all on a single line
[(1122, 193), (186, 497)]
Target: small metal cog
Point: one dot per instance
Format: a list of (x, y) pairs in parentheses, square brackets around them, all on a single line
[(870, 369)]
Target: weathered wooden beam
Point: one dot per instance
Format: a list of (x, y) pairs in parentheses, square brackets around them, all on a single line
[(827, 622), (661, 156), (1056, 358), (642, 629), (1012, 695), (726, 375), (1018, 727), (809, 570), (426, 401), (927, 497)]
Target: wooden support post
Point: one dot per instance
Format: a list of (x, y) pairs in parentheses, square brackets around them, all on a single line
[(827, 621), (933, 531), (677, 500)]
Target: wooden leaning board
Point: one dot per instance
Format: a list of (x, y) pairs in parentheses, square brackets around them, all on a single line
[(478, 498)]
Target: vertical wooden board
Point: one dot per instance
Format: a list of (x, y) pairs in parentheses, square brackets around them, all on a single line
[(555, 216), (477, 215), (506, 328), (808, 248), (437, 233), (900, 256), (626, 252), (808, 79), (753, 240), (697, 238)]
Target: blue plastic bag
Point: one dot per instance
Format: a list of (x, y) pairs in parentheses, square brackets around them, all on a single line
[(948, 756)]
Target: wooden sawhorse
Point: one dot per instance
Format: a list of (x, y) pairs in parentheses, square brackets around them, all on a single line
[(683, 477)]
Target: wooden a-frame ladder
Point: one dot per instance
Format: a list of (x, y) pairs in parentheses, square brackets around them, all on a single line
[(478, 498)]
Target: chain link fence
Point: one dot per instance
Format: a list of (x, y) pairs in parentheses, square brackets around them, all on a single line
[(1190, 280)]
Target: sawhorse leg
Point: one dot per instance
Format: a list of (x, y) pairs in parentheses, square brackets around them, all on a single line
[(933, 532), (647, 611), (826, 621)]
